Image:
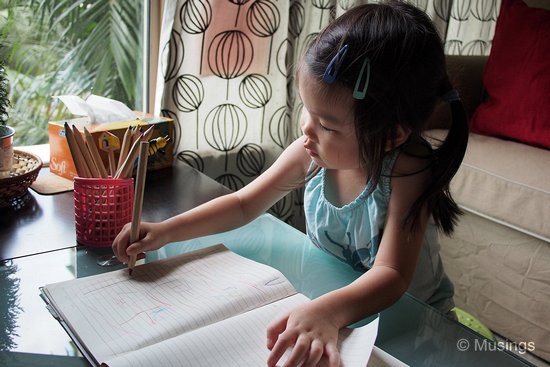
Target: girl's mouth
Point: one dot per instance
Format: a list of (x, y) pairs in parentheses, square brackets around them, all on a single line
[(311, 152)]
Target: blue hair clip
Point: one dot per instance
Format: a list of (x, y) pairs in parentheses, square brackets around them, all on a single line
[(331, 72), (361, 93)]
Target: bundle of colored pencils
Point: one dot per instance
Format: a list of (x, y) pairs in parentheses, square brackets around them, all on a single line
[(88, 163), (85, 152)]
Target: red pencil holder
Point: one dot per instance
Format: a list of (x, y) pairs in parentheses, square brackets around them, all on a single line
[(102, 206)]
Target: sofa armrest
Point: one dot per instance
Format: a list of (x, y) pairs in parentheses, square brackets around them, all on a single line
[(466, 75)]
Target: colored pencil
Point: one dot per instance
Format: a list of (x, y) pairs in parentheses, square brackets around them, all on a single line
[(126, 143), (79, 163), (92, 147), (138, 199), (85, 152), (147, 134), (126, 169)]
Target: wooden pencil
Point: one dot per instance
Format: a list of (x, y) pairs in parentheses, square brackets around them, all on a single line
[(136, 134), (79, 163), (109, 142), (138, 199), (147, 134), (85, 153), (92, 147), (126, 143), (128, 164)]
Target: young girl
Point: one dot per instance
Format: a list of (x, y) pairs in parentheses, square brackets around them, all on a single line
[(375, 191)]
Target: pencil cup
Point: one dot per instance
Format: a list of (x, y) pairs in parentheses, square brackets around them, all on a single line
[(101, 208)]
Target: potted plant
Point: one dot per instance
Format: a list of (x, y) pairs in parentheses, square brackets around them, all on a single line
[(6, 132)]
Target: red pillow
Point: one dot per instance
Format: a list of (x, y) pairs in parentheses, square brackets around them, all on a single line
[(517, 77)]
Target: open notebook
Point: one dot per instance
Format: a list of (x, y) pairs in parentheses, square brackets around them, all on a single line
[(209, 307)]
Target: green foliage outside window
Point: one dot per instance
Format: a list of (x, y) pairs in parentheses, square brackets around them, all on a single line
[(55, 47), (4, 97)]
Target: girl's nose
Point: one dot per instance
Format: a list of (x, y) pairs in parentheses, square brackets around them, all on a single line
[(307, 126)]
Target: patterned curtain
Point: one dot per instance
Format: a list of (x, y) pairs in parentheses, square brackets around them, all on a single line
[(471, 27), (227, 70)]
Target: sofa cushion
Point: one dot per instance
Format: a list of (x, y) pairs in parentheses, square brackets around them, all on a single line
[(501, 277), (517, 77), (504, 181)]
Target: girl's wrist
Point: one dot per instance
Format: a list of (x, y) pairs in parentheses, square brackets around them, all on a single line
[(330, 306), (167, 231), (345, 305)]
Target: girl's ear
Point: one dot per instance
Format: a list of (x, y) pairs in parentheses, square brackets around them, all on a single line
[(402, 134)]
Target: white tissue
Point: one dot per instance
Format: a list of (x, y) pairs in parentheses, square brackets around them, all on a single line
[(98, 109)]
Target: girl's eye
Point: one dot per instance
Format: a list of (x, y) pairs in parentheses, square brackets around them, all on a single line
[(326, 128)]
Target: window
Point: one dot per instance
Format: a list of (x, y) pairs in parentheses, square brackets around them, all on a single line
[(55, 47)]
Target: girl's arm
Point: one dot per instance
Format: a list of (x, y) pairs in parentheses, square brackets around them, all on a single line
[(238, 208), (223, 213), (313, 328)]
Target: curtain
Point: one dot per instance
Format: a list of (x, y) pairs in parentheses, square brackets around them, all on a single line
[(471, 27), (226, 77)]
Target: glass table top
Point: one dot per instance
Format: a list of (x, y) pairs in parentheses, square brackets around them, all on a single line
[(410, 330)]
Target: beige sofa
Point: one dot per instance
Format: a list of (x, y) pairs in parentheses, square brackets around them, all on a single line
[(499, 255)]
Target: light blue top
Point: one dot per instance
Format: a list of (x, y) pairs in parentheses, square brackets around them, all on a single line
[(353, 232)]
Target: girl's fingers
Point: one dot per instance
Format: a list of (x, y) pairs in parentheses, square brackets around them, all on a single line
[(284, 341), (135, 248), (333, 355), (143, 243), (275, 328), (299, 352), (315, 353), (120, 243)]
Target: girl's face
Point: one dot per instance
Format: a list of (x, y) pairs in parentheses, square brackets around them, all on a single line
[(327, 122)]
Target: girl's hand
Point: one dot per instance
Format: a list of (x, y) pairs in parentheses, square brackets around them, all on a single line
[(310, 329), (149, 238)]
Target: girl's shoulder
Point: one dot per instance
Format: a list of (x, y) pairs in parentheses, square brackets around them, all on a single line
[(293, 163), (415, 157), (296, 154), (412, 168)]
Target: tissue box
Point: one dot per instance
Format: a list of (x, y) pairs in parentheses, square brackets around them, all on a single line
[(61, 162)]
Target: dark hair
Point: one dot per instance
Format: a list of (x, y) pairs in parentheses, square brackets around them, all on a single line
[(408, 76)]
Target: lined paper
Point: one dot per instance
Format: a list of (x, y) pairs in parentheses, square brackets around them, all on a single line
[(380, 358), (113, 313), (241, 341)]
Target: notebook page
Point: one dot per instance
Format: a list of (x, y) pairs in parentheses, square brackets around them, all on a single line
[(241, 341), (113, 313), (380, 358)]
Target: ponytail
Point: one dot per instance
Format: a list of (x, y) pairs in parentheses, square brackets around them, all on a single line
[(447, 159)]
